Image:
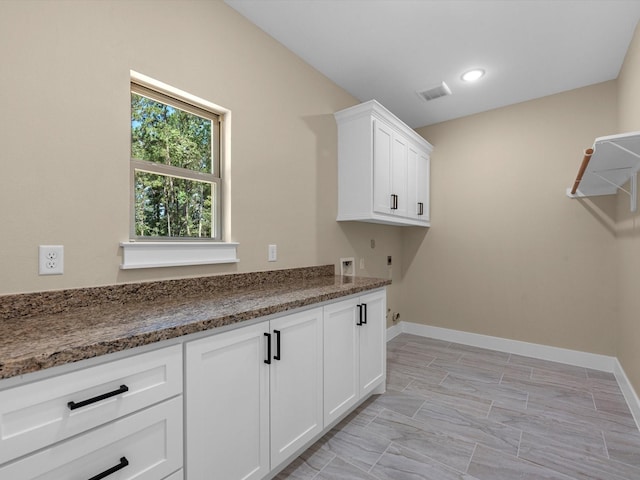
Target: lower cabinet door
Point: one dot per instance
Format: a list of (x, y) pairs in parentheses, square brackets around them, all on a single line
[(340, 329), (227, 405), (295, 382), (372, 342), (144, 446)]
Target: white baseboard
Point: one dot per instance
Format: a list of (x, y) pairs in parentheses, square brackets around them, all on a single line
[(544, 352), (627, 390), (394, 331)]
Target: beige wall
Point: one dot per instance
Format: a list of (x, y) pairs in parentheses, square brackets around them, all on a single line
[(509, 254), (629, 225), (64, 132)]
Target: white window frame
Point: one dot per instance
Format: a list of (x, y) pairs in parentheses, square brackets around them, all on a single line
[(142, 253)]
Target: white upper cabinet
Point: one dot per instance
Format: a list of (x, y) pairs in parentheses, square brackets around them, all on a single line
[(383, 168)]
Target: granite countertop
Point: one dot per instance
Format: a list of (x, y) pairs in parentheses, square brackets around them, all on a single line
[(48, 329)]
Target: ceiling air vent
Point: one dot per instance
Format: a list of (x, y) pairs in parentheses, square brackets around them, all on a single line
[(441, 90)]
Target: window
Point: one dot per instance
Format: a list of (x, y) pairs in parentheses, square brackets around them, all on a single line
[(179, 179), (175, 168)]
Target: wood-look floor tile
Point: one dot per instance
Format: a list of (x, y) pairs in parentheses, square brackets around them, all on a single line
[(493, 434), (588, 439), (362, 415), (611, 403), (453, 412), (339, 469), (404, 403), (471, 371), (397, 381), (481, 354), (496, 363), (573, 462), (461, 401), (489, 464), (579, 372), (600, 375), (307, 465), (623, 447), (423, 374), (410, 359), (418, 436), (502, 395), (400, 463), (356, 445), (555, 392), (581, 416)]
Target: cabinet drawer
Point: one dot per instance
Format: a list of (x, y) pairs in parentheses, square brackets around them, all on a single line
[(146, 446), (38, 414)]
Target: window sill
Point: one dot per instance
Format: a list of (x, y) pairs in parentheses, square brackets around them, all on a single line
[(175, 254)]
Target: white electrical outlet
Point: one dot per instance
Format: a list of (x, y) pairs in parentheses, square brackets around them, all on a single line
[(51, 260), (273, 253)]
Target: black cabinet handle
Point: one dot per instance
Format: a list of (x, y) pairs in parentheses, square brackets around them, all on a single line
[(277, 355), (359, 315), (268, 360), (123, 463), (394, 201), (364, 309), (420, 208), (73, 405)]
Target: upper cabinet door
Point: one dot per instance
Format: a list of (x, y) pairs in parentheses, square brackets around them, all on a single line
[(399, 179), (383, 148), (418, 184), (422, 186)]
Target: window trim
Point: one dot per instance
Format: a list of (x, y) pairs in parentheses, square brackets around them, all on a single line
[(213, 177), (143, 252)]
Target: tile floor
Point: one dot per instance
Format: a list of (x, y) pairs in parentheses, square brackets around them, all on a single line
[(457, 412)]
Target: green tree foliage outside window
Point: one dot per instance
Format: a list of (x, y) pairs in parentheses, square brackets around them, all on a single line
[(173, 154)]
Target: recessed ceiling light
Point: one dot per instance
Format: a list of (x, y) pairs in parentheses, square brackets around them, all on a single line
[(473, 75)]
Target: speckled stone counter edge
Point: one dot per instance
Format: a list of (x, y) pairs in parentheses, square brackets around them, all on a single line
[(26, 305), (305, 286)]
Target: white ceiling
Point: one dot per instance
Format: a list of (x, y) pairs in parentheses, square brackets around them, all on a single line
[(389, 49)]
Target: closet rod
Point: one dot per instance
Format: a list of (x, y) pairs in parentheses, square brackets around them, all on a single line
[(585, 161)]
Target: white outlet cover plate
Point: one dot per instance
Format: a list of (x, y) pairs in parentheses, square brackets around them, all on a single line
[(273, 253), (51, 260)]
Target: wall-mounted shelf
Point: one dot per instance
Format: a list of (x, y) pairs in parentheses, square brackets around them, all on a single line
[(613, 161)]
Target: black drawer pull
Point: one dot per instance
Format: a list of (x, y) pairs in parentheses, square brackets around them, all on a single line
[(123, 463), (420, 208), (84, 403), (268, 360), (364, 309), (277, 355), (359, 315)]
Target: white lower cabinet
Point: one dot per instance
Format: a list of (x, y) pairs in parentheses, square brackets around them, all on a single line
[(253, 396), (144, 446), (354, 351), (227, 405)]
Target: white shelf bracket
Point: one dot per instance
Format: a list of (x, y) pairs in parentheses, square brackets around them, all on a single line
[(632, 192)]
